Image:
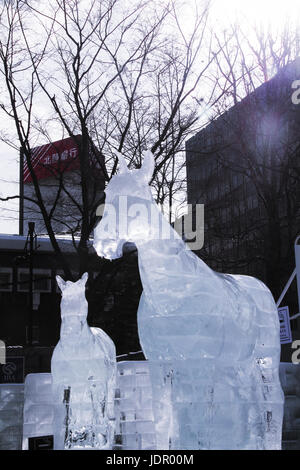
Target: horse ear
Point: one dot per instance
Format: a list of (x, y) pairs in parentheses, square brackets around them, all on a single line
[(61, 283), (148, 166), (122, 163), (84, 277)]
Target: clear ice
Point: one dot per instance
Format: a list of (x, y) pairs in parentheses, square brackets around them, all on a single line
[(11, 416), (211, 339), (83, 370)]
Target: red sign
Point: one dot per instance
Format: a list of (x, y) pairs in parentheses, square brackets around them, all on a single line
[(51, 159)]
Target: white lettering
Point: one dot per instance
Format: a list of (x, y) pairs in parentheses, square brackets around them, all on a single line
[(296, 354), (2, 352), (296, 94)]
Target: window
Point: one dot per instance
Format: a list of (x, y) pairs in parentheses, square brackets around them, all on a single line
[(41, 280), (216, 192), (23, 280), (6, 279), (34, 333)]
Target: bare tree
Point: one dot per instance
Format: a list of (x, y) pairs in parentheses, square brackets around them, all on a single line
[(256, 150), (19, 105), (110, 78)]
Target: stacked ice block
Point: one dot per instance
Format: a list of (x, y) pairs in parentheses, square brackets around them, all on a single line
[(38, 407), (133, 406), (11, 416), (290, 381)]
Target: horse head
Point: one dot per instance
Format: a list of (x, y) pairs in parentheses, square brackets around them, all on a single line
[(126, 211)]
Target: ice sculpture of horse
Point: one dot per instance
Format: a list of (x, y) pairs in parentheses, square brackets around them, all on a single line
[(83, 370), (211, 339)]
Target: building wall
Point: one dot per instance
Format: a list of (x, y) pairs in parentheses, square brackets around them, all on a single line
[(243, 167), (14, 298), (67, 215), (113, 293), (59, 178)]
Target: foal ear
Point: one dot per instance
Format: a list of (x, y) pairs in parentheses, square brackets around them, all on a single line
[(61, 283), (122, 163), (84, 277), (148, 166)]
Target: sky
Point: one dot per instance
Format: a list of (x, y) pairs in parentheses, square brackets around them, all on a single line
[(270, 13)]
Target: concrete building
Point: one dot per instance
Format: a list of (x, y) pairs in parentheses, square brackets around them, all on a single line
[(245, 168), (57, 168)]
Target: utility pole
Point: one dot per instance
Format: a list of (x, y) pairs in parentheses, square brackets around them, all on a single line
[(30, 303), (21, 198)]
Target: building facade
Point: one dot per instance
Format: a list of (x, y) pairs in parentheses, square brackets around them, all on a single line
[(245, 168), (113, 292), (58, 171)]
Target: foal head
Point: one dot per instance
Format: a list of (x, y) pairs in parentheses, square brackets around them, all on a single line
[(73, 301)]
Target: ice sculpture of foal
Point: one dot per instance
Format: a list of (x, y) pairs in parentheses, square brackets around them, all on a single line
[(211, 339), (83, 367)]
